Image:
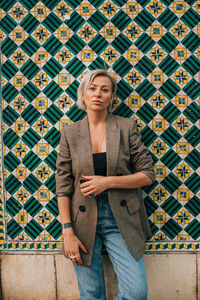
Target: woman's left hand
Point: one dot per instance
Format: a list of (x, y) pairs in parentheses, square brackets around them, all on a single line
[(94, 185)]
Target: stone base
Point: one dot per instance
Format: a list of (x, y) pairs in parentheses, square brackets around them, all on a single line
[(51, 277)]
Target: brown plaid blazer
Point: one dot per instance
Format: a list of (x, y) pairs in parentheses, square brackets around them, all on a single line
[(126, 154)]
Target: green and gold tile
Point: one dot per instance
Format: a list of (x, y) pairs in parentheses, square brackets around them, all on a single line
[(152, 48)]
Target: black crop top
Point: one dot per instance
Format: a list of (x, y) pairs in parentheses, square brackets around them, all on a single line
[(100, 163)]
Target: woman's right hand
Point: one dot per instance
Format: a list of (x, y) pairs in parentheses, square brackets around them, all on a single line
[(72, 246)]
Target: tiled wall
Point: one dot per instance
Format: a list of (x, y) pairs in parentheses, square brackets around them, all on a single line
[(153, 49)]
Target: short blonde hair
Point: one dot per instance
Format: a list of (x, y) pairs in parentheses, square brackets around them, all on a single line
[(87, 79)]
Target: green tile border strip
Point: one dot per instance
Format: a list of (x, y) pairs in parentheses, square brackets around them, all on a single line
[(3, 227)]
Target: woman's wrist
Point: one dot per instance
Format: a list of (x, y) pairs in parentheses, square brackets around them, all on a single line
[(67, 231), (109, 182)]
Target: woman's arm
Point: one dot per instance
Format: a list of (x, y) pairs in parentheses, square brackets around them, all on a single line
[(72, 244), (132, 181), (98, 184), (64, 189)]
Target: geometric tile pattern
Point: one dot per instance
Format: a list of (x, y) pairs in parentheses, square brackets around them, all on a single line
[(153, 50)]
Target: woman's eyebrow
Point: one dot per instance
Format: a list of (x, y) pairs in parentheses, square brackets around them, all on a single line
[(96, 85)]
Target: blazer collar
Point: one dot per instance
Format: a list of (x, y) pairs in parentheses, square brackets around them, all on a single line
[(85, 147)]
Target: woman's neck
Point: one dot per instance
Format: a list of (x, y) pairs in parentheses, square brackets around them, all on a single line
[(96, 118)]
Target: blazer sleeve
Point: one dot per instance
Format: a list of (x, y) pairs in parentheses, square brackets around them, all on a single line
[(64, 176), (141, 159)]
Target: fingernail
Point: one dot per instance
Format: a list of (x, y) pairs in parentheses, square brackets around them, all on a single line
[(86, 251)]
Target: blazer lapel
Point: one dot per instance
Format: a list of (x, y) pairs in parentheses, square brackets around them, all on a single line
[(85, 148), (112, 144)]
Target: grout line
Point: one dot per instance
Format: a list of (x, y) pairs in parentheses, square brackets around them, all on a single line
[(2, 158), (55, 274), (197, 279), (1, 292)]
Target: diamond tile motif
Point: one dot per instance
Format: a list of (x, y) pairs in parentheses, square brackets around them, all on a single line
[(32, 206), (168, 42), (192, 112), (171, 206), (29, 23), (13, 206), (169, 65), (193, 229), (11, 162), (191, 18), (191, 41), (98, 44), (30, 69), (145, 66), (10, 115), (31, 161), (33, 229), (75, 67), (152, 49), (8, 47), (144, 43), (171, 159), (121, 20), (121, 43), (12, 184), (9, 69), (192, 65), (171, 228), (97, 20), (7, 24), (32, 184), (52, 22), (169, 89), (170, 112), (122, 66), (145, 89), (171, 183), (167, 18), (144, 19), (75, 44), (30, 91), (13, 229)]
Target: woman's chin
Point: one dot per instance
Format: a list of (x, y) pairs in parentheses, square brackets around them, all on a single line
[(97, 108)]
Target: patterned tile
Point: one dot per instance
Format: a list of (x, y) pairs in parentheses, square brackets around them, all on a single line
[(153, 50)]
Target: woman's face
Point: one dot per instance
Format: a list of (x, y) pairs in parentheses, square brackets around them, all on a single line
[(99, 94)]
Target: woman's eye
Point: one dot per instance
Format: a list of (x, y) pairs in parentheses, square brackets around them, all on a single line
[(92, 88), (105, 90)]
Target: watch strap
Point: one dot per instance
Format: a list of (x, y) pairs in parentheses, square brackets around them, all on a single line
[(67, 225)]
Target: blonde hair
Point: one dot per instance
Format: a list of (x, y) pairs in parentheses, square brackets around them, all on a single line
[(85, 82)]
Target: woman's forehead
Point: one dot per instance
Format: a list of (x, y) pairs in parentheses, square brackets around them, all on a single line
[(101, 80)]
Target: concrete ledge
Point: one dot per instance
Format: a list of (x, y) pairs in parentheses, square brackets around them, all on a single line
[(25, 277), (171, 276), (67, 287), (51, 276)]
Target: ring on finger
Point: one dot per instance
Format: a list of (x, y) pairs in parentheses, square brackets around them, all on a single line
[(71, 257), (92, 195)]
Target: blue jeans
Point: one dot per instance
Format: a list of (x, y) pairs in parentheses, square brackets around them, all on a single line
[(132, 280)]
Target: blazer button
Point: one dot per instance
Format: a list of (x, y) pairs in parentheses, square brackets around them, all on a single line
[(123, 203), (82, 208)]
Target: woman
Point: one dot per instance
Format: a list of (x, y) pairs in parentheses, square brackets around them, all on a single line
[(101, 167)]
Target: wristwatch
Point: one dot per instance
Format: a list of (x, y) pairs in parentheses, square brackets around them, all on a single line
[(66, 225)]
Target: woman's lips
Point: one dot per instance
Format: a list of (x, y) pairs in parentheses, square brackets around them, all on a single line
[(97, 102)]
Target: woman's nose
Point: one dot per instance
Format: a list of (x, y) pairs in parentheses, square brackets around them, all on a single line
[(97, 92)]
